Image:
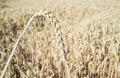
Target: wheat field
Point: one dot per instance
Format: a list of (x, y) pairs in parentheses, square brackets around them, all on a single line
[(66, 39)]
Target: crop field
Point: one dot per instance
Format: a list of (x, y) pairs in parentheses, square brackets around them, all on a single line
[(65, 39)]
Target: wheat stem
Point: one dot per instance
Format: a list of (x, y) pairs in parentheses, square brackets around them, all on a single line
[(15, 46)]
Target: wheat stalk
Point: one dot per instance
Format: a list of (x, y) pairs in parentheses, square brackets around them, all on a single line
[(54, 22)]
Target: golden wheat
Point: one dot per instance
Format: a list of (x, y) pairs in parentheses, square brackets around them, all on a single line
[(54, 22), (92, 39)]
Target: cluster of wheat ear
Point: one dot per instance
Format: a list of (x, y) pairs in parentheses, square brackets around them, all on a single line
[(47, 15)]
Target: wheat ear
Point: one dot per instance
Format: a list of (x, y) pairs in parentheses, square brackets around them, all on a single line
[(48, 15)]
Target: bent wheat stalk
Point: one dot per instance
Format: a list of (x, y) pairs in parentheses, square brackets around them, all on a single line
[(54, 22)]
